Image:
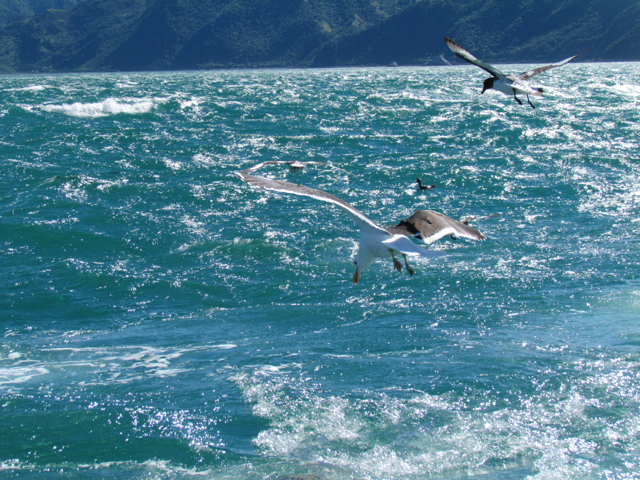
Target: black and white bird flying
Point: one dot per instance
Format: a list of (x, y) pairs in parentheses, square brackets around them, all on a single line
[(504, 83), (377, 241)]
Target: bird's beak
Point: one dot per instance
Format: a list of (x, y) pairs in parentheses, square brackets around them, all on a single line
[(356, 276), (483, 90)]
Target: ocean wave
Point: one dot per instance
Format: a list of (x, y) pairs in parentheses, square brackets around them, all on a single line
[(31, 88), (109, 106)]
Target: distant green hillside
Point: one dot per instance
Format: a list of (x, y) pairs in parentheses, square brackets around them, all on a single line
[(112, 35), (174, 34), (77, 40), (495, 30), (16, 10), (184, 34)]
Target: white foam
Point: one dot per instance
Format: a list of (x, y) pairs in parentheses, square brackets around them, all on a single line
[(224, 346), (20, 374), (204, 160), (536, 433), (110, 106), (629, 90), (31, 88), (173, 165)]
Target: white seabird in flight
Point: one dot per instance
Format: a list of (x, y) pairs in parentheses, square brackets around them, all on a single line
[(376, 241), (501, 82)]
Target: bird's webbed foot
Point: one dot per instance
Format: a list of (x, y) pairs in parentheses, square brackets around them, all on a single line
[(532, 105), (406, 264), (396, 264), (516, 98)]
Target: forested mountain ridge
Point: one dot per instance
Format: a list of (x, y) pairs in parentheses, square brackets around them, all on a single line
[(495, 30), (16, 10), (168, 34), (117, 35)]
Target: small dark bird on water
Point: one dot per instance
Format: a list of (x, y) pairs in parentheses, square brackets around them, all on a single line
[(424, 187)]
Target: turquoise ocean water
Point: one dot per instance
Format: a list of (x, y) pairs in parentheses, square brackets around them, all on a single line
[(161, 319)]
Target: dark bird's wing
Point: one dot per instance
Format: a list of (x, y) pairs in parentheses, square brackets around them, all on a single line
[(536, 71), (430, 226), (463, 54)]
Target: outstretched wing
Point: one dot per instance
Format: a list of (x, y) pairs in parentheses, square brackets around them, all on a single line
[(292, 163), (463, 54), (402, 244), (260, 165), (286, 187), (536, 71), (430, 226)]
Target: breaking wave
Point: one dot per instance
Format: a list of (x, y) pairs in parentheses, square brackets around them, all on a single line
[(110, 106)]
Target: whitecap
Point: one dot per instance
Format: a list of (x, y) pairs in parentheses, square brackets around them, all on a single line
[(224, 346), (628, 90), (30, 88), (204, 160), (173, 165), (110, 106)]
